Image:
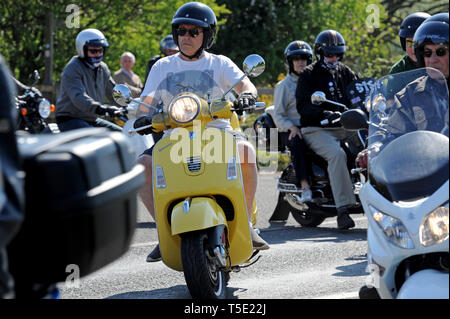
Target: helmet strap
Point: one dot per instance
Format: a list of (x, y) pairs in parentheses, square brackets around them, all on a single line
[(196, 55)]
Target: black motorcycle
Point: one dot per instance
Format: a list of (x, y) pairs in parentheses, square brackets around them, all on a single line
[(322, 206), (34, 110)]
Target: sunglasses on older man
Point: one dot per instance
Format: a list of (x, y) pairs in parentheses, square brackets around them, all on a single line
[(439, 52), (192, 32)]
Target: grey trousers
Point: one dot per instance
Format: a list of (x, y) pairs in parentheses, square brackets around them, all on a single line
[(325, 142)]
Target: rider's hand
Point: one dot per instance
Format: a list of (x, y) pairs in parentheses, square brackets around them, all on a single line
[(106, 110), (144, 120), (294, 131), (246, 100)]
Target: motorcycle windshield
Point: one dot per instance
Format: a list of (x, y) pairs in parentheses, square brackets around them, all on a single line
[(204, 83), (408, 134)]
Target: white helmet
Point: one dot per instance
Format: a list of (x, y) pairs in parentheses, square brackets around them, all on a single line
[(89, 37)]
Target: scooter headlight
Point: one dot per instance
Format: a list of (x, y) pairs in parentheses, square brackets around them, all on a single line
[(393, 229), (184, 108), (434, 227), (45, 108)]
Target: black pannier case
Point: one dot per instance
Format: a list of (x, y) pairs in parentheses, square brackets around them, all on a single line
[(81, 202)]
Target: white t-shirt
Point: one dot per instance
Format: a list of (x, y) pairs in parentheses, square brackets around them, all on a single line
[(212, 73)]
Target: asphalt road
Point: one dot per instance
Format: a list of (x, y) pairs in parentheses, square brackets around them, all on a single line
[(302, 263)]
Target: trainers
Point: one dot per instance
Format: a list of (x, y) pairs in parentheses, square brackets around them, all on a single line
[(306, 195), (344, 221), (155, 255), (257, 242)]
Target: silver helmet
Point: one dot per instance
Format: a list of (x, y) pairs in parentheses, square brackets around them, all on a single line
[(89, 37)]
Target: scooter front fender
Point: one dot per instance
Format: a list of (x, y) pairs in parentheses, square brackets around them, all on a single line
[(199, 213), (425, 284)]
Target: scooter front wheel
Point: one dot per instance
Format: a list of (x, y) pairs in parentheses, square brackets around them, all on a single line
[(203, 277)]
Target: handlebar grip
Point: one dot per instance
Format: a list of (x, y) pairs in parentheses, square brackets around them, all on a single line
[(134, 131), (326, 121)]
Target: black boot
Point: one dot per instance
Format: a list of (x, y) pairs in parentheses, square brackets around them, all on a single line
[(344, 221)]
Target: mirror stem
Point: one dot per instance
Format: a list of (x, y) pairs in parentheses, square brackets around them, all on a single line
[(145, 104), (228, 91)]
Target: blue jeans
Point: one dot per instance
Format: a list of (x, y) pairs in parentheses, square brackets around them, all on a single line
[(74, 124)]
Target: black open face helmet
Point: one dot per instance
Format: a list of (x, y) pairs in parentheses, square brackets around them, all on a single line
[(197, 14), (433, 30), (329, 42), (298, 49), (409, 26)]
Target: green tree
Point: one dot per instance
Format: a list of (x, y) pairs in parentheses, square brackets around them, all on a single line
[(132, 25), (266, 27)]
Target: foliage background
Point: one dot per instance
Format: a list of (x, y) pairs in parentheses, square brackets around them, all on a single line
[(265, 27)]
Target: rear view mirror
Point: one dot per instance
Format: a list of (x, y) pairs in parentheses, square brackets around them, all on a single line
[(354, 120)]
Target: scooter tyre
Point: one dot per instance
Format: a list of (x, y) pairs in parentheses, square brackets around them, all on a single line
[(204, 280)]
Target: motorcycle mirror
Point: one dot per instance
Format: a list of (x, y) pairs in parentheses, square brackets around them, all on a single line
[(318, 98), (254, 65), (122, 94), (35, 77), (354, 120)]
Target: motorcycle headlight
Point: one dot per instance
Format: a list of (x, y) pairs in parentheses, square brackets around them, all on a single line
[(434, 227), (45, 108), (393, 229), (184, 108)]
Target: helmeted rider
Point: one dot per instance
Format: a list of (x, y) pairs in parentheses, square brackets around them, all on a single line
[(431, 49), (407, 29), (167, 47), (329, 75), (297, 55), (85, 83), (193, 27)]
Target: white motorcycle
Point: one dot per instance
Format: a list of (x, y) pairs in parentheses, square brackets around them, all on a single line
[(406, 197)]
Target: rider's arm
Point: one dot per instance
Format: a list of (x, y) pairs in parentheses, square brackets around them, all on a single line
[(310, 114), (72, 84), (281, 105), (246, 86)]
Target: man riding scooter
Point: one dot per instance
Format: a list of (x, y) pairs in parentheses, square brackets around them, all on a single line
[(193, 28)]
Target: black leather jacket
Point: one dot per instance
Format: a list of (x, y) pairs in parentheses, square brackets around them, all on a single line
[(314, 78)]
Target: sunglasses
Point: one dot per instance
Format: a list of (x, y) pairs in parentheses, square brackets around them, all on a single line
[(330, 55), (95, 51), (192, 32), (409, 43), (439, 52)]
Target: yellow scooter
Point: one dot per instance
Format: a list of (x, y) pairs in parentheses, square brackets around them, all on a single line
[(200, 204)]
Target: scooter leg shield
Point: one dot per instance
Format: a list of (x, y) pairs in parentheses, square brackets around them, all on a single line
[(200, 213), (425, 284)]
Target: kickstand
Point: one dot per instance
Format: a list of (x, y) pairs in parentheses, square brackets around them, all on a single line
[(253, 255)]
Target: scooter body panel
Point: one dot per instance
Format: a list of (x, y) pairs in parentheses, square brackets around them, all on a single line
[(213, 150), (201, 213), (382, 252), (425, 284)]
